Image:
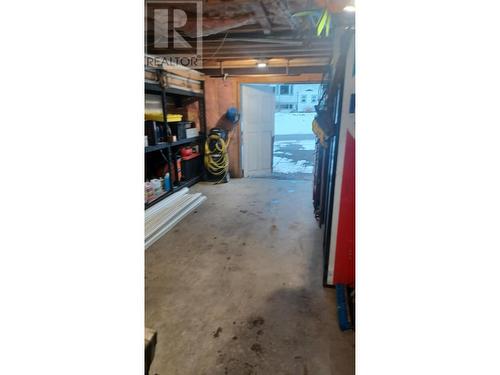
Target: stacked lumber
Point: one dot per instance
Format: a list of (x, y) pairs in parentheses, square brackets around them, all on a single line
[(164, 215), (175, 76)]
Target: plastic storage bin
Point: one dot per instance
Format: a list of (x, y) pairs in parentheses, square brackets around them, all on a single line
[(191, 166)]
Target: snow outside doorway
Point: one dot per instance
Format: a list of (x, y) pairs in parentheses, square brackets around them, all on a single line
[(294, 141), (294, 145)]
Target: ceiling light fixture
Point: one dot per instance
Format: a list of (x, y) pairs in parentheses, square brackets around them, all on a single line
[(349, 8), (261, 64)]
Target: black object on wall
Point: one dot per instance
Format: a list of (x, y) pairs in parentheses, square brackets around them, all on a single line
[(329, 155)]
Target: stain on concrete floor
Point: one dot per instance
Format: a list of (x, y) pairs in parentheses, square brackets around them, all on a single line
[(228, 272)]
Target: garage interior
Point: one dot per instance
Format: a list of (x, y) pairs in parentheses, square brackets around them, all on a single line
[(247, 272)]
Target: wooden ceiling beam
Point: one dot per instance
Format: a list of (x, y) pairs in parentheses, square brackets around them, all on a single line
[(267, 52), (281, 7), (250, 43), (282, 71), (268, 56), (223, 2), (254, 29), (280, 78), (247, 41), (260, 16), (250, 46), (310, 61)]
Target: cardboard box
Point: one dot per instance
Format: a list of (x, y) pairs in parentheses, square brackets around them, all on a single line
[(192, 132)]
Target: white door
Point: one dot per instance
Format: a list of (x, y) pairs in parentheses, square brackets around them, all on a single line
[(257, 118)]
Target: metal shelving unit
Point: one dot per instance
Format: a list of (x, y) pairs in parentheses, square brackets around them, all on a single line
[(176, 188), (179, 96), (163, 146)]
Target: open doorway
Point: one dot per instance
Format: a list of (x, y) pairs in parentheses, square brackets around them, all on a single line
[(277, 129)]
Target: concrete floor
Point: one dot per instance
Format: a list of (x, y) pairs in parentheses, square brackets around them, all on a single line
[(236, 287)]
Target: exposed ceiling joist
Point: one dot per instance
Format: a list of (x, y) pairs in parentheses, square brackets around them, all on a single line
[(257, 40), (271, 51), (233, 31), (260, 16), (260, 48), (266, 56), (225, 2), (256, 29), (251, 63), (282, 8), (271, 70)]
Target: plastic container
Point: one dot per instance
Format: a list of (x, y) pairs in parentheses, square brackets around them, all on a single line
[(179, 128), (178, 165), (149, 193), (191, 166), (186, 151), (166, 182), (157, 187)]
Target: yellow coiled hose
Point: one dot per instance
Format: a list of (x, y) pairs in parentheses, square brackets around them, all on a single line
[(216, 160)]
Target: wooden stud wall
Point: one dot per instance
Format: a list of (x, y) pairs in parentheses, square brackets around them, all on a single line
[(219, 96)]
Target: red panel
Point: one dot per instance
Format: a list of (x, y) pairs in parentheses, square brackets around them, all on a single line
[(345, 249)]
